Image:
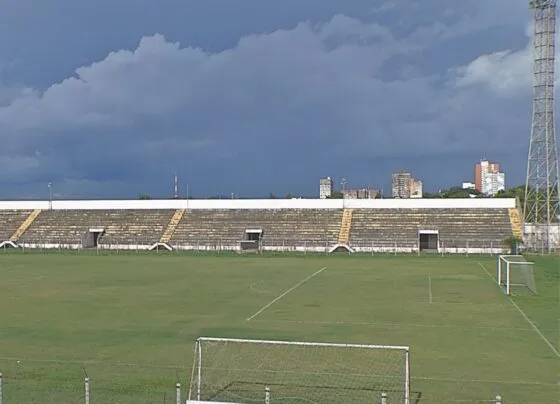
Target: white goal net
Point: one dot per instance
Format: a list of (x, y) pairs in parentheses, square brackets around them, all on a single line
[(515, 275), (258, 371)]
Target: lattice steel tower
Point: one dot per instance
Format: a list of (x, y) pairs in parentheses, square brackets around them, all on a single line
[(541, 208)]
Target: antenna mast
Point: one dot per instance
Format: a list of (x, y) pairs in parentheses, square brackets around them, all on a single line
[(541, 208)]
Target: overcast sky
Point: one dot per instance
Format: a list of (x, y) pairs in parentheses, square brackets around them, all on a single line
[(109, 98)]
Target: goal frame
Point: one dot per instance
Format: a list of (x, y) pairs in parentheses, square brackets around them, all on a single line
[(197, 363), (503, 262)]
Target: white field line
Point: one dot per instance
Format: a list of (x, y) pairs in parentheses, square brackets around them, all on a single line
[(430, 287), (533, 326), (536, 329), (480, 381), (492, 277), (397, 325), (86, 362), (297, 285)]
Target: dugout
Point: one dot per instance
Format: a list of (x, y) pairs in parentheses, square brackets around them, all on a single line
[(91, 237), (252, 239), (428, 240)]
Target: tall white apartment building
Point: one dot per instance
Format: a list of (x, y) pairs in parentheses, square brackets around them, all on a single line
[(492, 183), (325, 187), (488, 178), (405, 186)]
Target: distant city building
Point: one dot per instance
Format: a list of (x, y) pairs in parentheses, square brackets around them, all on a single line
[(493, 183), (325, 188), (350, 193), (488, 179), (416, 188), (469, 185), (370, 193), (405, 186), (362, 193), (401, 185)]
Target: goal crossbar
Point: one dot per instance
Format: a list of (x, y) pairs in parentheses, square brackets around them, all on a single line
[(300, 343), (241, 370)]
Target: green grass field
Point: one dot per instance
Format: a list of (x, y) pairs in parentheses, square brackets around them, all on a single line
[(130, 321)]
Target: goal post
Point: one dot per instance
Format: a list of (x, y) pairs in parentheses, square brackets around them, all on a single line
[(515, 274), (258, 371)]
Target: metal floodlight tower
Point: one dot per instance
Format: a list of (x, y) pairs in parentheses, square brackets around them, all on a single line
[(542, 206)]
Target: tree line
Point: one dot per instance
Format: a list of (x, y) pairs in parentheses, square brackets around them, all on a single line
[(451, 193)]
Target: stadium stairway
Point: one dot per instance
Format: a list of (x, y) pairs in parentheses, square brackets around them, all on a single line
[(25, 225), (515, 220), (345, 226), (172, 226)]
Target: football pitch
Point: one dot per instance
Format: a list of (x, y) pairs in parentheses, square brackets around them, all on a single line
[(129, 321)]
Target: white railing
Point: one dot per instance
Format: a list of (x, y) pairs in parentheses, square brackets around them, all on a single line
[(278, 245)]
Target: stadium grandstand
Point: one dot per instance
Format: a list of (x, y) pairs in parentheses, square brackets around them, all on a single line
[(306, 225)]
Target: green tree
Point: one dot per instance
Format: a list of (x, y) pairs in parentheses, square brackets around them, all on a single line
[(335, 195), (515, 192), (512, 243), (454, 192), (144, 196)]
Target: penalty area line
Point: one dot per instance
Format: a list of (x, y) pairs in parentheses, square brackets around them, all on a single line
[(297, 285), (395, 325), (86, 362), (533, 326), (481, 381), (430, 287)]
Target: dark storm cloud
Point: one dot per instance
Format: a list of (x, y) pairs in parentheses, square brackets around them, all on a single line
[(275, 106)]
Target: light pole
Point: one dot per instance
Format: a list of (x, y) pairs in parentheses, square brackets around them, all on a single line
[(50, 195), (343, 183)]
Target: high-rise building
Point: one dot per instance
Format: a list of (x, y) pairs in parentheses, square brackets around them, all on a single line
[(405, 186), (401, 185), (416, 187), (488, 179), (481, 169), (493, 183), (325, 187)]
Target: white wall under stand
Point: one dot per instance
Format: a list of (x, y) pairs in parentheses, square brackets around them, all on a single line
[(468, 203)]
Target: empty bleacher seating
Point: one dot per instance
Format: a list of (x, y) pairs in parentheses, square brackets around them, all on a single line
[(283, 229), (288, 228), (122, 227), (10, 220), (135, 227), (457, 228)]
